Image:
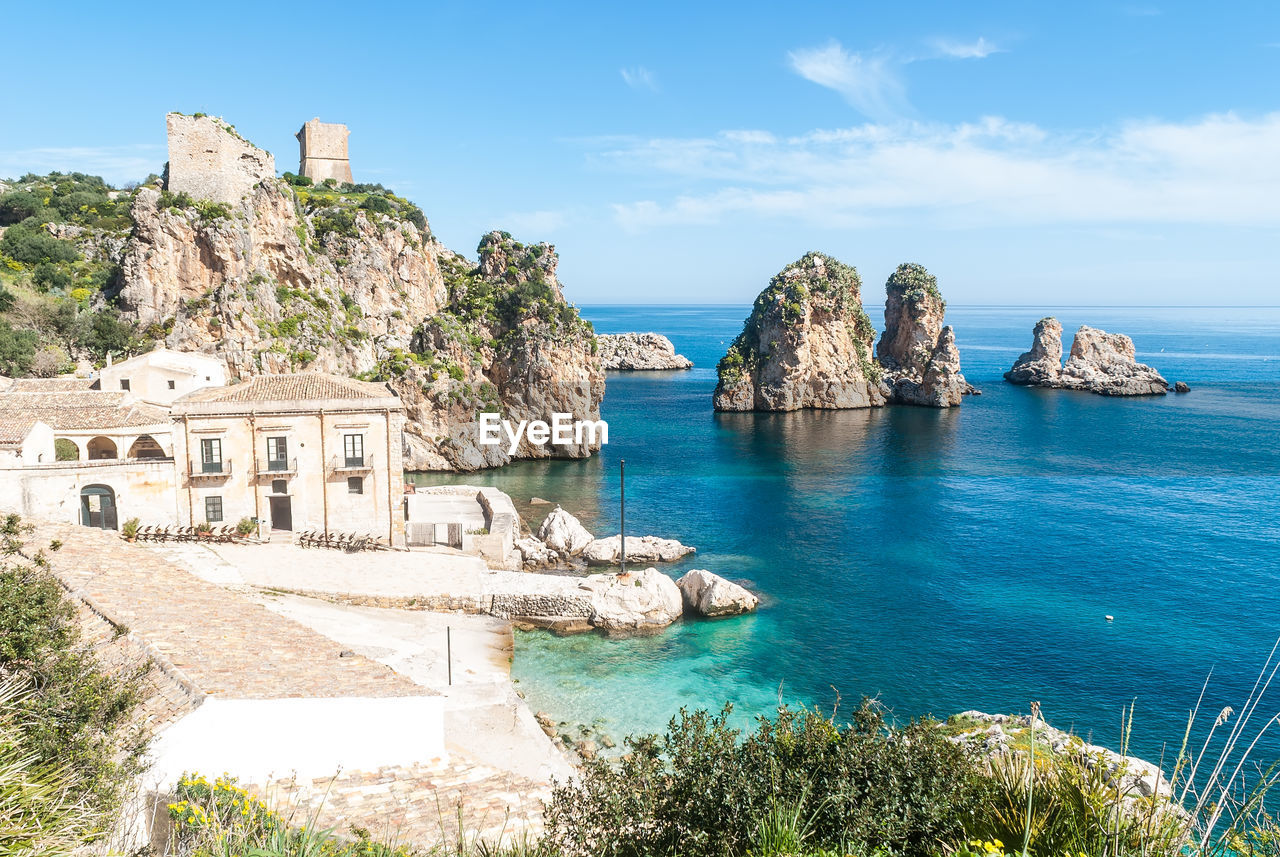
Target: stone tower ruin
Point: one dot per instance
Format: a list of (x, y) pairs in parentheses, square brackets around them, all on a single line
[(323, 151), (209, 160)]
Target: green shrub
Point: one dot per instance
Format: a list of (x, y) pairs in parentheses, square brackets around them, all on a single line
[(245, 527), (7, 299), (47, 276), (76, 716), (378, 204), (129, 528), (65, 450), (17, 349), (703, 789), (28, 243), (17, 206)]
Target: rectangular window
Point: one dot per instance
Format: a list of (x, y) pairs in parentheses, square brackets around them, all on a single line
[(279, 486), (355, 485), (213, 509), (353, 450), (211, 455), (277, 453), (124, 383), (172, 385)]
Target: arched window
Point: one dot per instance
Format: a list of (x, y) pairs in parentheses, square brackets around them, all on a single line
[(102, 447)]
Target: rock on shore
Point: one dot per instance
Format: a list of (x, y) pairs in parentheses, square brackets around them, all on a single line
[(639, 351), (608, 551), (1099, 362), (711, 595), (1001, 734), (563, 533), (808, 344), (636, 602)]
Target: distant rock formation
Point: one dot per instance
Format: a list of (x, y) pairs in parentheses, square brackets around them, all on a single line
[(711, 595), (1042, 365), (808, 344), (919, 354), (1099, 362), (639, 351)]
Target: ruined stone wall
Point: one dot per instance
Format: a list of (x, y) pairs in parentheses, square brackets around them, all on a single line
[(209, 160), (323, 151)]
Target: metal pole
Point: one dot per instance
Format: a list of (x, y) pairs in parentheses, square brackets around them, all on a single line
[(622, 473), (448, 651)]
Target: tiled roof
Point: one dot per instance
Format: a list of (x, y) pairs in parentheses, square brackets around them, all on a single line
[(51, 385), (80, 409), (14, 428), (287, 388)]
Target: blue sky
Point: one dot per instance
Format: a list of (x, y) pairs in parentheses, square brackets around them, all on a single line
[(1110, 153)]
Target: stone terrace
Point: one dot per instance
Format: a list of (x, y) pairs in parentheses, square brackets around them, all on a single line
[(224, 644)]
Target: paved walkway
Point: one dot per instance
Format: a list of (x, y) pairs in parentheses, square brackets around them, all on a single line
[(218, 641), (225, 644)]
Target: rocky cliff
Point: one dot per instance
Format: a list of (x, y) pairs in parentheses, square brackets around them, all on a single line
[(1099, 362), (350, 280), (639, 351), (808, 344)]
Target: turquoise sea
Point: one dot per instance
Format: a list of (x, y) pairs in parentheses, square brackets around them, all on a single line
[(944, 560)]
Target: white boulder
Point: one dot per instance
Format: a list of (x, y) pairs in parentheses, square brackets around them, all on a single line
[(711, 595), (636, 602), (563, 533), (639, 549)]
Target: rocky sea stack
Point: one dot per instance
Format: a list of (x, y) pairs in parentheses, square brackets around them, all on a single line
[(279, 275), (808, 344), (1099, 362), (918, 353), (639, 352)]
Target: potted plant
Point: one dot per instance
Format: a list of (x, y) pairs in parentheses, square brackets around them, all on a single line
[(245, 527), (130, 530), (204, 530)]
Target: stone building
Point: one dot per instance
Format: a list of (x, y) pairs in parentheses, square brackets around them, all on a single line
[(299, 452), (84, 456), (209, 160), (161, 376), (323, 151)]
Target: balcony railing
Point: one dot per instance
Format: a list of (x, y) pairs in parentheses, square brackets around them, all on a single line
[(210, 469), (356, 464), (276, 467)]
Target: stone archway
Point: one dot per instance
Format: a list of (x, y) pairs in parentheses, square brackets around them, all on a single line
[(98, 507), (102, 447), (146, 446)]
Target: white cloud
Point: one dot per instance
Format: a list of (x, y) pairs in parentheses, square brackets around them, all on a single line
[(979, 49), (639, 77), (870, 84), (116, 164), (1219, 169)]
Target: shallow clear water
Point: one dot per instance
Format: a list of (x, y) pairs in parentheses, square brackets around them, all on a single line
[(944, 560)]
